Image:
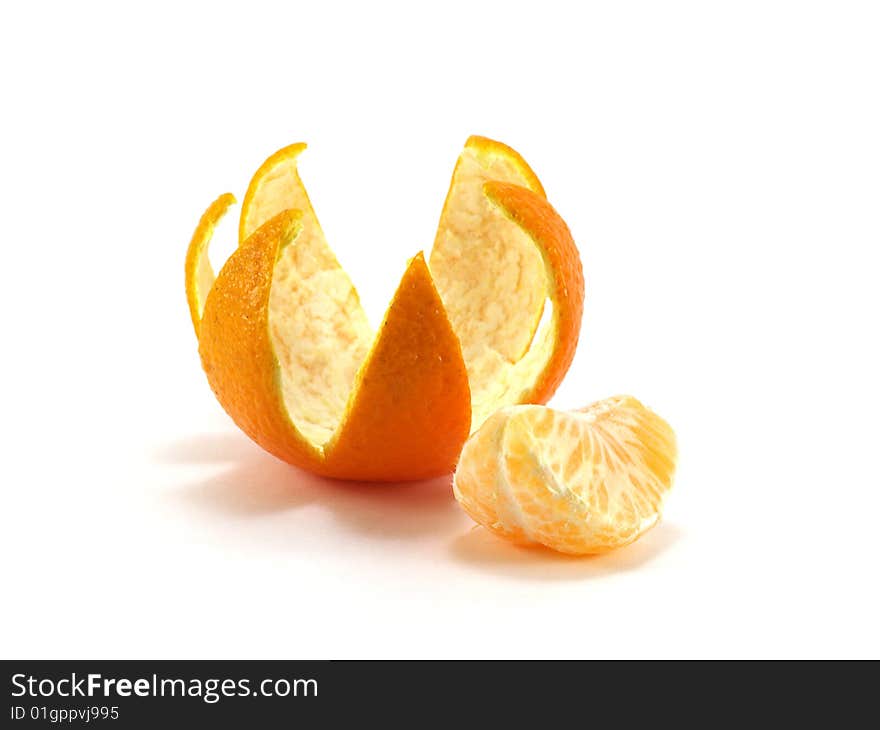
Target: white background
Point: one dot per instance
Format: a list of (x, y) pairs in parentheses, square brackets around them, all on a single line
[(719, 166)]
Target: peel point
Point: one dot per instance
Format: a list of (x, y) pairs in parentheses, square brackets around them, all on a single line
[(415, 364), (486, 149), (276, 179), (199, 274)]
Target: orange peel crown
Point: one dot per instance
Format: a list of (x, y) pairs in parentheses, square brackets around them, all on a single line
[(290, 355)]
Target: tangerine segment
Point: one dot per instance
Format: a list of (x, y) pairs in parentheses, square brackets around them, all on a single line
[(578, 482), (199, 274), (396, 424)]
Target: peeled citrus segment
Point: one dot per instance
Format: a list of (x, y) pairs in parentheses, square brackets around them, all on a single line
[(199, 274), (578, 482), (494, 260), (406, 414)]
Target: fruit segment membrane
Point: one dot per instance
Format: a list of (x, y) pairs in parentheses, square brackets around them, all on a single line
[(579, 482)]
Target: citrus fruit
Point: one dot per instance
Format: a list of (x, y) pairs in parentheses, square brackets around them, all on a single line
[(578, 482), (290, 355)]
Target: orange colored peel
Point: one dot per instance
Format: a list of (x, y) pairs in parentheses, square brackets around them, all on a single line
[(415, 363), (565, 282), (291, 357), (199, 274)]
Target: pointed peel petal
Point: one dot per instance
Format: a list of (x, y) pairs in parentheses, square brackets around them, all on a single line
[(237, 352), (275, 186), (491, 277), (199, 274), (534, 215), (410, 410), (488, 150)]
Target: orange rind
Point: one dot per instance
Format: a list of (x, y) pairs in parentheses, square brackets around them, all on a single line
[(579, 482), (492, 320)]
